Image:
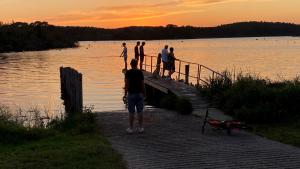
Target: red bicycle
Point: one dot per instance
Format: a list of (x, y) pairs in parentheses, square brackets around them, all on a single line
[(227, 125)]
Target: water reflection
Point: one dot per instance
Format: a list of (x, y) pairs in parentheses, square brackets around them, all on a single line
[(32, 78)]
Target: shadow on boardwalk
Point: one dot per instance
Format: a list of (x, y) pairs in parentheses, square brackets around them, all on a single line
[(175, 141)]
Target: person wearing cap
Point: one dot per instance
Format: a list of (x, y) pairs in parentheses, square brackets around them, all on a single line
[(135, 92)]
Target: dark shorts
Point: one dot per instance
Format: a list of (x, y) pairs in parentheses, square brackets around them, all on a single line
[(142, 59), (135, 101), (136, 57), (165, 65), (171, 66)]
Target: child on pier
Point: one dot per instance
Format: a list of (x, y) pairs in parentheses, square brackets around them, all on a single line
[(157, 70), (124, 54)]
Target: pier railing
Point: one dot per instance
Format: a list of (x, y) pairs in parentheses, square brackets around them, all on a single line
[(194, 73)]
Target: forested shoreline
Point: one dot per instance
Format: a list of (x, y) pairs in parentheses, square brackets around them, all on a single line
[(19, 36)]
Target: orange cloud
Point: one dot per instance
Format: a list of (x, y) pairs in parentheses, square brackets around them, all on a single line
[(131, 12), (156, 12)]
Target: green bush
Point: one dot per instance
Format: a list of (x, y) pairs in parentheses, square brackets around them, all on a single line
[(78, 123), (256, 100), (184, 106), (168, 102), (179, 104)]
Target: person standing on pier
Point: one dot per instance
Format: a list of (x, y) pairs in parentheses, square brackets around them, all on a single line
[(124, 54), (171, 62), (164, 58), (136, 51), (157, 70), (142, 55), (135, 92)]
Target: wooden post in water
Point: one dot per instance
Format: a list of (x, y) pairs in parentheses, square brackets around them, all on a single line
[(151, 64), (71, 90), (187, 73)]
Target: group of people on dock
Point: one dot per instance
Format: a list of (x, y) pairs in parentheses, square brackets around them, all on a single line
[(134, 80), (139, 53), (167, 57)]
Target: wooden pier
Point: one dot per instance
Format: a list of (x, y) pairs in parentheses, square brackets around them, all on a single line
[(183, 88)]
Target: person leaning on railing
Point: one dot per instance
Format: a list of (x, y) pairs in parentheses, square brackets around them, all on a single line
[(171, 62)]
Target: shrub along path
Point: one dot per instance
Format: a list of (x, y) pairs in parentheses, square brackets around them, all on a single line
[(175, 141)]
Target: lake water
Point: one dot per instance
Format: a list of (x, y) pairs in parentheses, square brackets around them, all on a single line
[(32, 78)]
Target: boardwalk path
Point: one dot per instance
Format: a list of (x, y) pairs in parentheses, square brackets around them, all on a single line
[(175, 141)]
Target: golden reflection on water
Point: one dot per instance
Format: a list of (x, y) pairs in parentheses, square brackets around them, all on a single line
[(32, 78)]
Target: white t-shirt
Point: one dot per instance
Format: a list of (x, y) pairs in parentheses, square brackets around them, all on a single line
[(164, 55)]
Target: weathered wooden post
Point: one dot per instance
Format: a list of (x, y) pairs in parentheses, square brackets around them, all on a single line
[(198, 75), (179, 72), (151, 63), (71, 90), (187, 73)]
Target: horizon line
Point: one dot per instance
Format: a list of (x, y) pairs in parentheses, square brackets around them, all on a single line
[(58, 25)]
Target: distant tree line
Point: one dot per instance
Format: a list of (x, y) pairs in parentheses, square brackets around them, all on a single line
[(40, 35), (35, 36)]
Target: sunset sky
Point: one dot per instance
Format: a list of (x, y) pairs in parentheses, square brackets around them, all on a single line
[(120, 13)]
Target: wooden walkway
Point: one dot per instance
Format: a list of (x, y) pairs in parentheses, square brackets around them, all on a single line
[(181, 89), (174, 141)]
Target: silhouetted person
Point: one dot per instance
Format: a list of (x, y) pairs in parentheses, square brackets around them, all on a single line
[(135, 92), (171, 62), (157, 70), (164, 57), (136, 51), (142, 55), (124, 54)]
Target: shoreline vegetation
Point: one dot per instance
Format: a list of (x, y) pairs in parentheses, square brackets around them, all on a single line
[(36, 36), (73, 142), (271, 107)]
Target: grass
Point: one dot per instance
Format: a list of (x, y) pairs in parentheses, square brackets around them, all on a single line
[(67, 151), (74, 142), (288, 133)]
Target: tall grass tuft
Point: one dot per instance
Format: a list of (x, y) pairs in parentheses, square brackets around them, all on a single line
[(34, 124), (79, 123), (13, 131)]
